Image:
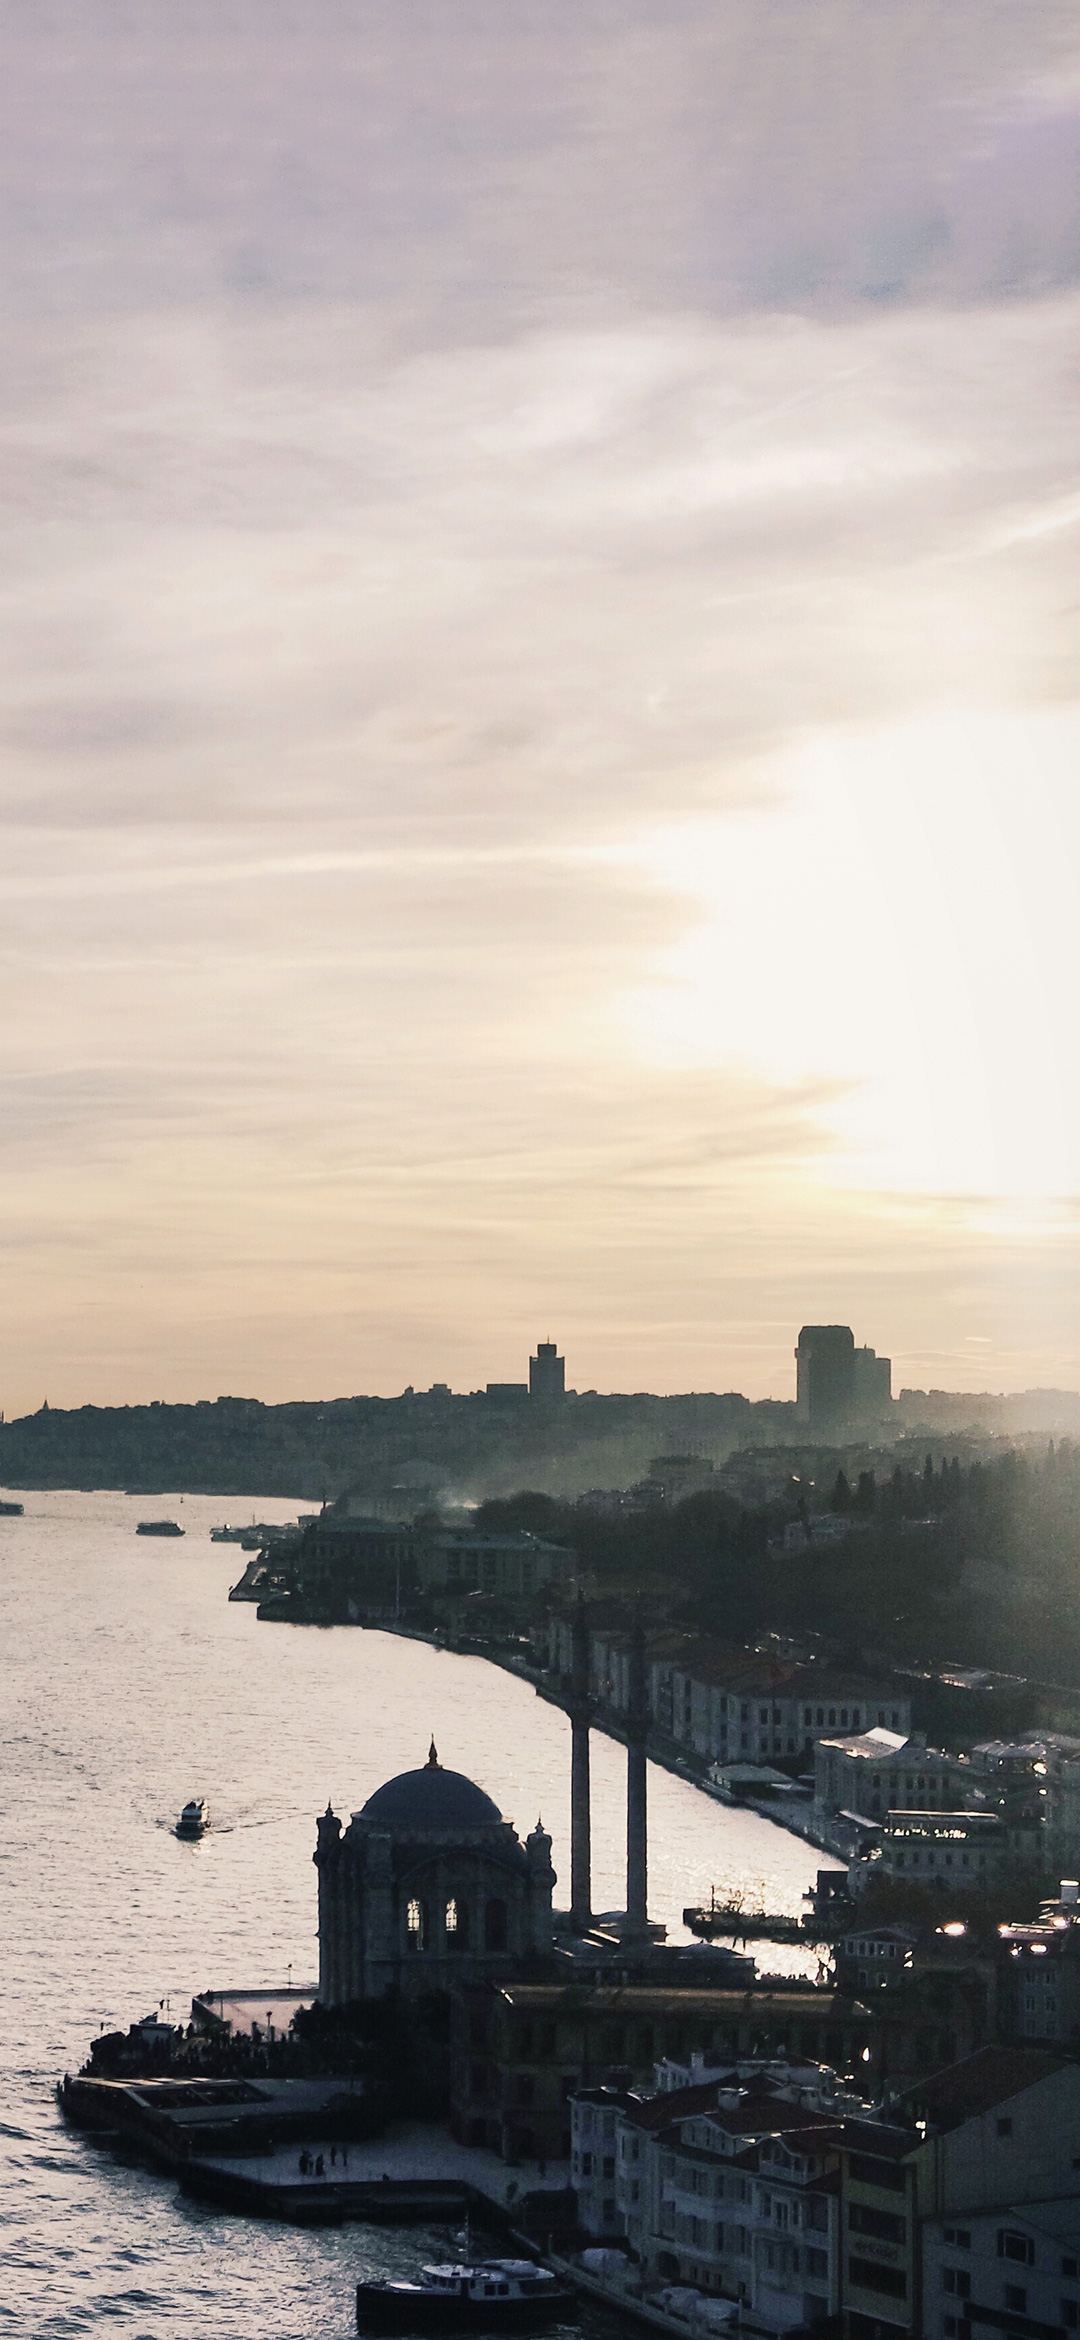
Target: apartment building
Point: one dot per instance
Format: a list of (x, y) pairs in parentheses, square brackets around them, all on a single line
[(725, 2183), (1012, 2269), (954, 2217)]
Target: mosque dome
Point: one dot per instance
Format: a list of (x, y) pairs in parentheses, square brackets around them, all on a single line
[(431, 1798)]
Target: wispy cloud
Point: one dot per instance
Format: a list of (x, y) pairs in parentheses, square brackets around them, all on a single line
[(444, 457)]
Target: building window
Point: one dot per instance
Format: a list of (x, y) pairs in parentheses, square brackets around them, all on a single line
[(868, 2170), (956, 2280), (1004, 2127), (887, 2225), (416, 1925), (495, 1926), (960, 2236), (1015, 2296), (1015, 2246), (870, 2277), (1070, 2314)]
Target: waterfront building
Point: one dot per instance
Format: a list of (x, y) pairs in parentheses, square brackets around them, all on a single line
[(760, 2183), (959, 1849), (955, 2210), (521, 2050), (512, 1568), (350, 1566), (869, 1772), (427, 1888)]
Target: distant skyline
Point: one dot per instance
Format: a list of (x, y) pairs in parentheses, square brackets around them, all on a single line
[(539, 694)]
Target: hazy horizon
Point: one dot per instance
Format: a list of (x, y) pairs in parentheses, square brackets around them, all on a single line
[(539, 694)]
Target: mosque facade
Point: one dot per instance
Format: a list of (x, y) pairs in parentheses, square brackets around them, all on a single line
[(428, 1887)]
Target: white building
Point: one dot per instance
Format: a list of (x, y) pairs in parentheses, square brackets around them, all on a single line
[(727, 2183), (1010, 2269), (877, 1771)]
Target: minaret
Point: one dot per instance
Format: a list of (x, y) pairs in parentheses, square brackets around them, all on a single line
[(637, 1732), (327, 1859), (580, 1818)]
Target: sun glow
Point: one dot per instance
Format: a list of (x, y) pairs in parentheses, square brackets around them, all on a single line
[(896, 928)]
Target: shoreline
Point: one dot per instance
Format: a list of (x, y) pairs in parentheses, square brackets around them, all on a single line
[(660, 1750)]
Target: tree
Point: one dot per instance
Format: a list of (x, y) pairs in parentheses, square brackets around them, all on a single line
[(865, 1498)]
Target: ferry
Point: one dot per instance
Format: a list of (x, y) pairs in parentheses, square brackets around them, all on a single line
[(159, 1527), (11, 1510), (195, 1818), (485, 2295)]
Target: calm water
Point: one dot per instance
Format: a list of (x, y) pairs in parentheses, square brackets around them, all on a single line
[(129, 1684)]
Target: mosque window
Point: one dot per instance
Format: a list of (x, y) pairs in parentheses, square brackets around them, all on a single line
[(416, 1925), (457, 1923), (495, 1928)]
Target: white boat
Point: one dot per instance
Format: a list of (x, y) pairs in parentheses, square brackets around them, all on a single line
[(484, 2295), (195, 1818)]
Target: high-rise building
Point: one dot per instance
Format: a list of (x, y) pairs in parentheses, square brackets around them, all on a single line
[(873, 1387), (547, 1374), (825, 1360)]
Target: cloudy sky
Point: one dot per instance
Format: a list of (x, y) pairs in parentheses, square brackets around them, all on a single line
[(539, 693)]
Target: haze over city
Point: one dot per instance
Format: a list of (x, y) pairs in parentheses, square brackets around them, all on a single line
[(539, 694)]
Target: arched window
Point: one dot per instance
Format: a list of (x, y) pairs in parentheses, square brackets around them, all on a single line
[(416, 1925), (457, 1924), (495, 1926)]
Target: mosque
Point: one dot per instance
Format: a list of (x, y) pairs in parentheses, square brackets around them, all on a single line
[(429, 1888)]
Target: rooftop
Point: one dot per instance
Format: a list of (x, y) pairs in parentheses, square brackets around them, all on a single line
[(990, 2077), (431, 1799), (646, 1999), (874, 1746)]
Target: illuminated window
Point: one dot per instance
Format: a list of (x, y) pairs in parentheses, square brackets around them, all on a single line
[(451, 1917), (416, 1926)]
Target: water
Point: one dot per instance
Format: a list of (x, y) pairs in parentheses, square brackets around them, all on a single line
[(130, 1684)]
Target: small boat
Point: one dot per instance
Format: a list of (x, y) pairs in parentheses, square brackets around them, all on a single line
[(483, 2296), (195, 1818), (159, 1527), (11, 1510)]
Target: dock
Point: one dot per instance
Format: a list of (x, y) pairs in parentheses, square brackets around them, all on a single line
[(239, 2143)]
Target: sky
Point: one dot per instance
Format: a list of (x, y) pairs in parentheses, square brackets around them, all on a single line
[(538, 691)]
